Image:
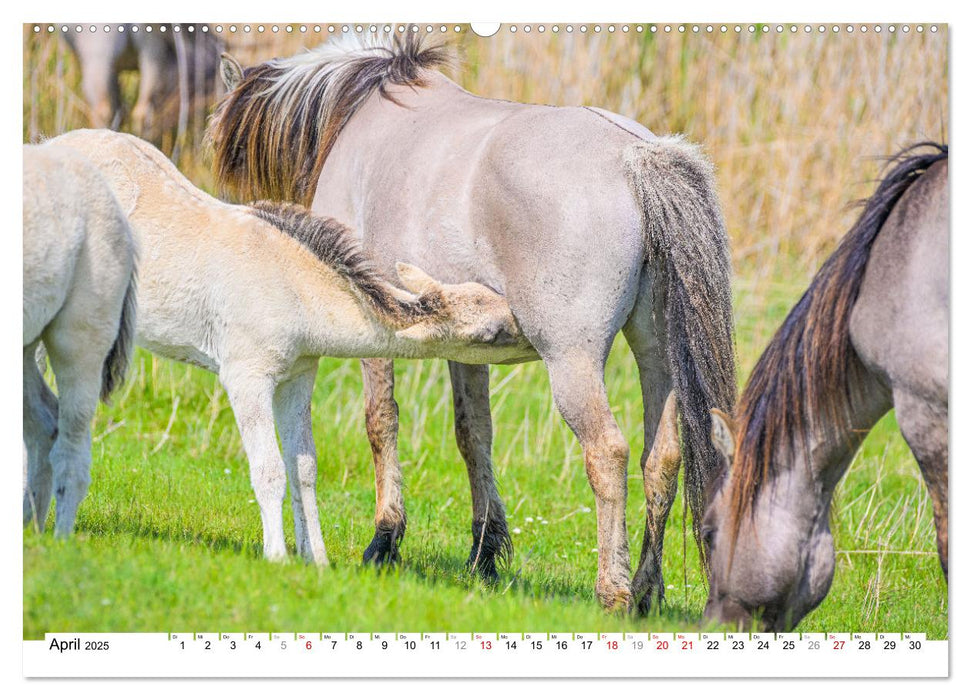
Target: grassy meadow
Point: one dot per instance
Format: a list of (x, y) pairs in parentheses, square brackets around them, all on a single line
[(169, 537)]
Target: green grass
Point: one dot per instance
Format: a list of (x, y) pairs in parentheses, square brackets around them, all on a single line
[(169, 537)]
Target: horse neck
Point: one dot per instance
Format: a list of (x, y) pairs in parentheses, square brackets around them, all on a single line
[(827, 448), (349, 327)]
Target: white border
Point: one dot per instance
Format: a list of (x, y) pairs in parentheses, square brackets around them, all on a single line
[(508, 11)]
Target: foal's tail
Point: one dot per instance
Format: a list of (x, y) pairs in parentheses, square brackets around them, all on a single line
[(116, 363), (688, 248)]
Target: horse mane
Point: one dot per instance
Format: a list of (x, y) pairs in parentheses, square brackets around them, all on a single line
[(806, 372), (334, 245), (271, 135)]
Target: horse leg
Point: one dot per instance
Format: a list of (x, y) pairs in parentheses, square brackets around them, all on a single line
[(251, 397), (578, 388), (146, 114), (660, 477), (77, 364), (473, 434), (381, 418), (924, 426), (291, 406), (40, 431)]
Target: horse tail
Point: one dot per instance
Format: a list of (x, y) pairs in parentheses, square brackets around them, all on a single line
[(688, 248), (116, 363)]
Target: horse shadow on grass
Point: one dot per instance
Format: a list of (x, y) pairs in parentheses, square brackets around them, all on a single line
[(438, 567), (119, 527), (423, 562)]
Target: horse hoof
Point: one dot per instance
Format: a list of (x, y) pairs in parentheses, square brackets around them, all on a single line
[(646, 603), (615, 600), (485, 569), (383, 550)]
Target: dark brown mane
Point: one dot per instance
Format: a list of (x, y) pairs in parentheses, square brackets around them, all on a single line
[(335, 246), (805, 373), (271, 135)]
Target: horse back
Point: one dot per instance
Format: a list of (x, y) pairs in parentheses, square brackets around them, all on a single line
[(490, 190), (71, 221), (899, 325)]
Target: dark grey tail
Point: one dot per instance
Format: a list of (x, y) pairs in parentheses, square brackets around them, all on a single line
[(116, 364), (688, 248)]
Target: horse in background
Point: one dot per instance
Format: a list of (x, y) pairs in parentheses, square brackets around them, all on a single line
[(177, 77), (869, 335), (79, 300), (584, 220)]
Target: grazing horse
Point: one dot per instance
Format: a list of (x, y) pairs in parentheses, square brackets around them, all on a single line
[(870, 334), (177, 75), (79, 300), (585, 221), (258, 293)]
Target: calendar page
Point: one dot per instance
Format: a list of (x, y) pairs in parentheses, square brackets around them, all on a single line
[(383, 349)]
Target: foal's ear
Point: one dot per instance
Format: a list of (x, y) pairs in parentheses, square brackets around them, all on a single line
[(723, 433), (230, 71), (416, 280)]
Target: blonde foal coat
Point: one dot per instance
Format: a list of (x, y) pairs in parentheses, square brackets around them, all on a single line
[(258, 293), (79, 265)]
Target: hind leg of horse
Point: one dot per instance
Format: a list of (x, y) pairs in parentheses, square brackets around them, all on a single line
[(578, 388), (473, 434), (646, 339), (40, 431), (924, 426), (291, 406), (77, 361), (660, 484), (381, 418), (251, 397)]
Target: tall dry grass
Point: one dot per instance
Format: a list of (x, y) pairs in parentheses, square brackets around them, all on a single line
[(793, 120)]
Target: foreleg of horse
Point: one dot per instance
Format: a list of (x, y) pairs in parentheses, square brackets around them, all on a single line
[(291, 406), (40, 431), (252, 400), (578, 389), (473, 434), (924, 426), (381, 417)]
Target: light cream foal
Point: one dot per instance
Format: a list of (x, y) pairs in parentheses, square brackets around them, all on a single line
[(258, 293)]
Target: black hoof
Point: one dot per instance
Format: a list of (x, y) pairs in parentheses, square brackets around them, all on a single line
[(646, 603), (489, 549), (484, 568), (383, 549)]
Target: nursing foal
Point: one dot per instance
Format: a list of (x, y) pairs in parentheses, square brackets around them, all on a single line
[(258, 293)]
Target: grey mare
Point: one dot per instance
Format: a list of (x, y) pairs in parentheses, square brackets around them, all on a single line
[(870, 334), (583, 219)]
